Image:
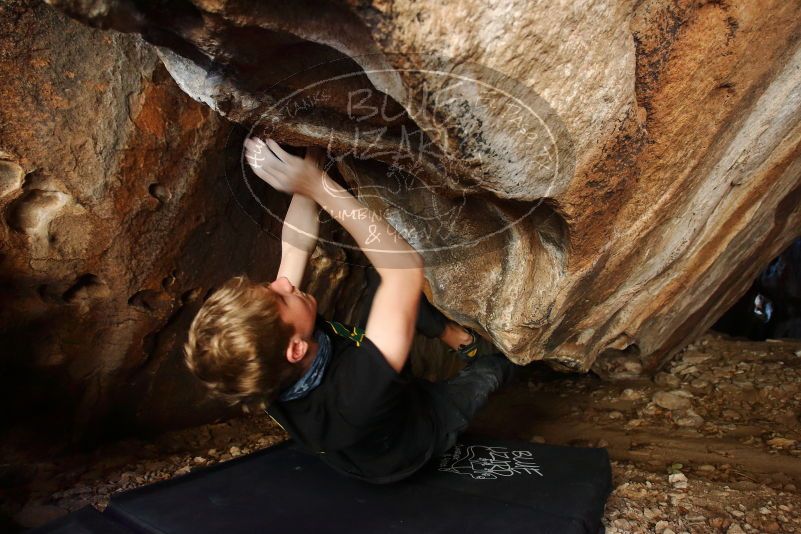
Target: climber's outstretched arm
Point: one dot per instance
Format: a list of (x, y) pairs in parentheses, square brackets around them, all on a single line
[(298, 238), (390, 325)]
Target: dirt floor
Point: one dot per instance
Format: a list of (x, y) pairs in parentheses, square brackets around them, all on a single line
[(713, 444)]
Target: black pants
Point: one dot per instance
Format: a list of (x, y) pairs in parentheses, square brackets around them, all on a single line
[(454, 401)]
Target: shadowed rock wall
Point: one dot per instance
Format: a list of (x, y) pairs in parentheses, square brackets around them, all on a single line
[(676, 123), (117, 221)]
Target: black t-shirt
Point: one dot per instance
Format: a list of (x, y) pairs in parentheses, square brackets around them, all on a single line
[(365, 419)]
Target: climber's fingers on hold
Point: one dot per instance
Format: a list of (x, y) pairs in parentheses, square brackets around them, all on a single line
[(257, 156), (280, 153)]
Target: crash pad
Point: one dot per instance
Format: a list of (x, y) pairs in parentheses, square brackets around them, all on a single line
[(481, 485)]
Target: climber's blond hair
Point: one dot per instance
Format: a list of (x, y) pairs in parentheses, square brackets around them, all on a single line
[(237, 343)]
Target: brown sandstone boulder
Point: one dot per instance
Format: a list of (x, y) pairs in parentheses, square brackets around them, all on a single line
[(658, 173), (676, 125), (117, 219)]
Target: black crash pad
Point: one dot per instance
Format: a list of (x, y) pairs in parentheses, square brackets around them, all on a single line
[(481, 485)]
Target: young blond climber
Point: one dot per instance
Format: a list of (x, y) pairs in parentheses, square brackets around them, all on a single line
[(343, 392)]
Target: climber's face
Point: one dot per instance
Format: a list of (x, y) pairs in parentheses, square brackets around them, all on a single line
[(296, 308)]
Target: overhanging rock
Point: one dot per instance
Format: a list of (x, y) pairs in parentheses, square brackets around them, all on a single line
[(587, 179)]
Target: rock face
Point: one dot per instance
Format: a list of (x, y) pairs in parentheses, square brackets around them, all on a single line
[(116, 220), (675, 126)]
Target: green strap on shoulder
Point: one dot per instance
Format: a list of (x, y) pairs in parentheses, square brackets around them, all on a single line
[(355, 334)]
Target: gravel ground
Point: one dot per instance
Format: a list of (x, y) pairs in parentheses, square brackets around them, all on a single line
[(711, 444)]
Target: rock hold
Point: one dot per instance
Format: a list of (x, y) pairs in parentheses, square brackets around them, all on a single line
[(11, 176), (32, 212)]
